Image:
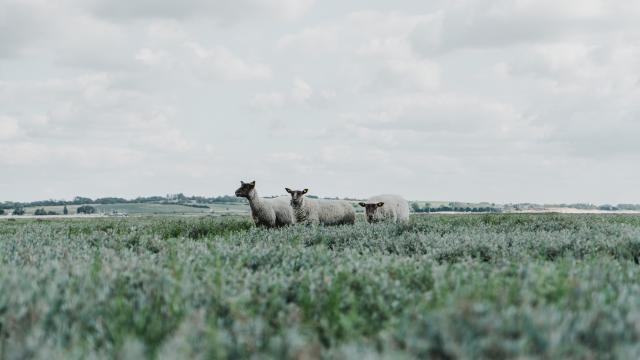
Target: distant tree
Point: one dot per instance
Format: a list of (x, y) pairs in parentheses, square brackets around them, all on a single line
[(607, 207), (1, 211), (65, 211), (628, 207), (149, 199), (42, 211), (110, 200), (78, 200), (18, 210), (416, 207), (86, 209)]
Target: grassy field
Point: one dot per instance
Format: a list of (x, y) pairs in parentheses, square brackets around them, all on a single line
[(152, 209), (443, 287), (148, 209)]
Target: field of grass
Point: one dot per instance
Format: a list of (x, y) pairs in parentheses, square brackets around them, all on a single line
[(444, 287), (152, 209)]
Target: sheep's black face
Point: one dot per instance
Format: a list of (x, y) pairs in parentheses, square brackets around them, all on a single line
[(296, 196), (245, 189), (371, 210)]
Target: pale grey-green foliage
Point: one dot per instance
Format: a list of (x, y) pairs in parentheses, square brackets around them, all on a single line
[(486, 286)]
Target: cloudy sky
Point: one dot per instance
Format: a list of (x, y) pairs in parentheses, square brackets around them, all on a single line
[(470, 100)]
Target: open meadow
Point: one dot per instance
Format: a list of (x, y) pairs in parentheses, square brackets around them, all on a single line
[(442, 286), (150, 209)]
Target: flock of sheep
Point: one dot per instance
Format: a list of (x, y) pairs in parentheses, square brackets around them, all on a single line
[(282, 211)]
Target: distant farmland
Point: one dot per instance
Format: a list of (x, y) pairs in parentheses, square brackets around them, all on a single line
[(152, 208)]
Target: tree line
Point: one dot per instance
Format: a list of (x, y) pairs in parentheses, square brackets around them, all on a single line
[(168, 199), (581, 206), (452, 207), (19, 211), (17, 208)]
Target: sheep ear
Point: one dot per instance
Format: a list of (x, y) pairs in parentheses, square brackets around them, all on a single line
[(288, 190), (305, 191), (242, 182), (253, 183), (362, 204), (380, 204)]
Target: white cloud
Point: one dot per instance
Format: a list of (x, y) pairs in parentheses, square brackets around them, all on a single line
[(290, 9), (376, 44), (166, 29), (313, 40), (153, 57), (8, 128), (21, 153), (25, 153), (268, 100), (221, 11), (333, 156), (221, 62), (449, 124), (423, 74), (93, 107), (22, 25), (285, 157), (477, 24), (301, 91)]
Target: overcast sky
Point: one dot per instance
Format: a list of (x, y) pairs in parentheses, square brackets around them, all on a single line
[(470, 100)]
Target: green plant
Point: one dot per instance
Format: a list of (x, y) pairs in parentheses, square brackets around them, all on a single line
[(469, 286)]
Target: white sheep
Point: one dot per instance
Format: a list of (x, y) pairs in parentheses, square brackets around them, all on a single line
[(391, 208), (266, 212), (315, 211)]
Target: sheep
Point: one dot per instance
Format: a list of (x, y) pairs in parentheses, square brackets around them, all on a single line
[(391, 208), (266, 212), (315, 211)]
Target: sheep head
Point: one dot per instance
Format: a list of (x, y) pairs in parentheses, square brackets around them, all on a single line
[(371, 210), (246, 189), (296, 196)]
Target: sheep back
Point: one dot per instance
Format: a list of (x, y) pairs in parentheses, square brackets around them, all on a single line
[(271, 212), (326, 212), (335, 212), (283, 212)]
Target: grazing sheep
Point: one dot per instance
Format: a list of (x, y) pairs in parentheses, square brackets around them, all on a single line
[(266, 212), (391, 208), (315, 211)]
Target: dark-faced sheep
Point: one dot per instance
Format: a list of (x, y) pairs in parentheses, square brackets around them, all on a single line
[(315, 211), (391, 208), (266, 212)]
